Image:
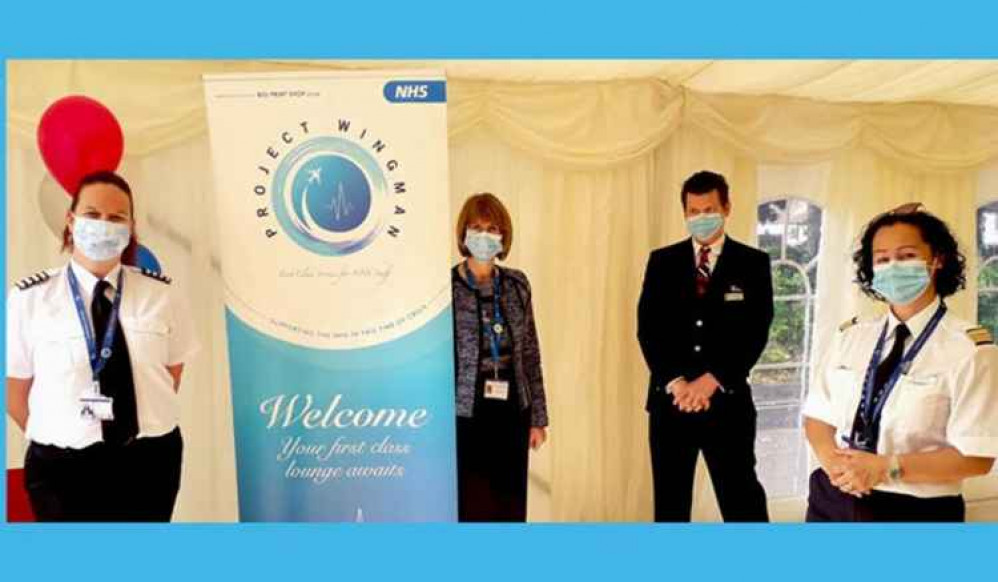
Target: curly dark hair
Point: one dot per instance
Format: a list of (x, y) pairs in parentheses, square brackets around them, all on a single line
[(951, 276)]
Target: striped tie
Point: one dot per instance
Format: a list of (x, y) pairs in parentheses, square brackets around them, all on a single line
[(703, 271)]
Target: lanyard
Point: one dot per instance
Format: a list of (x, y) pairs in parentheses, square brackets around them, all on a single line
[(871, 413), (97, 359), (497, 328)]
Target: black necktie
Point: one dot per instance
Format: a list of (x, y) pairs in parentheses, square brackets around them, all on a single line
[(890, 363), (116, 378), (869, 427)]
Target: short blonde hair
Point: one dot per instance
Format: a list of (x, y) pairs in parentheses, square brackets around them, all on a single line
[(485, 206)]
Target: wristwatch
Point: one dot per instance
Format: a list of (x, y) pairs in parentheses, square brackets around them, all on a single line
[(894, 472)]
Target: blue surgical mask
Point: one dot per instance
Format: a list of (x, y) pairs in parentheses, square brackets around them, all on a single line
[(100, 240), (901, 282), (484, 246), (705, 226)]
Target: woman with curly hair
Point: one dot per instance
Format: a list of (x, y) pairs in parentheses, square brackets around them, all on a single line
[(903, 407)]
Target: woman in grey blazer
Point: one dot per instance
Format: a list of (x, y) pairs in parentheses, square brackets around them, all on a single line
[(501, 407)]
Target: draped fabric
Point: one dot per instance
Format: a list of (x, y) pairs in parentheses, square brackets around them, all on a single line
[(589, 158), (585, 124)]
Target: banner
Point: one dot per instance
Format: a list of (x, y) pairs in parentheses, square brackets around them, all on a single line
[(335, 235)]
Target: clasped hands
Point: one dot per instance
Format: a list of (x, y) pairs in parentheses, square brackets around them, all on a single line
[(694, 396), (855, 472)]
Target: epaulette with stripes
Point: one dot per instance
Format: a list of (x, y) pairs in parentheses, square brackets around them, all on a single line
[(849, 323), (36, 279), (156, 275), (981, 336)]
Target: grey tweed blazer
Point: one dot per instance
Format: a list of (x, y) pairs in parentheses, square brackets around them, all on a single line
[(517, 308)]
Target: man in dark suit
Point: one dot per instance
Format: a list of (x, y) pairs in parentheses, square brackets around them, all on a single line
[(703, 321)]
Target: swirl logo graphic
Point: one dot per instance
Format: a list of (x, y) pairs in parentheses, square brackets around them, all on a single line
[(330, 196)]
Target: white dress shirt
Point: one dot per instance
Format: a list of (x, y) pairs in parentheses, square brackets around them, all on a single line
[(948, 398), (45, 342)]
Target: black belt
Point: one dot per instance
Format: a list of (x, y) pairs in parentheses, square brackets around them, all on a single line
[(100, 445)]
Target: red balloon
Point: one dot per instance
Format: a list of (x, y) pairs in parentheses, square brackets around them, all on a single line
[(78, 136)]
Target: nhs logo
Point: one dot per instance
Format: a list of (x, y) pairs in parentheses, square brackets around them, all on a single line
[(416, 91), (411, 92)]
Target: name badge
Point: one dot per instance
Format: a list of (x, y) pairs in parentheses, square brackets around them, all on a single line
[(97, 407), (497, 389), (734, 296)]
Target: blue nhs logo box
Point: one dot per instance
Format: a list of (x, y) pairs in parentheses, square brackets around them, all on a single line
[(416, 91)]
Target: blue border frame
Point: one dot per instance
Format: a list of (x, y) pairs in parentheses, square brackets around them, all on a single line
[(516, 29), (521, 30), (534, 552), (3, 277)]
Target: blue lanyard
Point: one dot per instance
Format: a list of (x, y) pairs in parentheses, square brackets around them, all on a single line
[(498, 326), (871, 413), (97, 359)]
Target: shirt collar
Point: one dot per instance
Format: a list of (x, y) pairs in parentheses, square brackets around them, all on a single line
[(916, 323), (715, 249), (87, 279)]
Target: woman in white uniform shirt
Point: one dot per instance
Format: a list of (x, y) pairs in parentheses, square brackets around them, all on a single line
[(95, 351), (903, 407)]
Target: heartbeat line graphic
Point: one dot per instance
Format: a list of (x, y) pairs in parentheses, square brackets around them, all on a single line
[(340, 206)]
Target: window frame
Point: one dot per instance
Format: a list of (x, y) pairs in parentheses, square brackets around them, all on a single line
[(809, 298), (983, 491)]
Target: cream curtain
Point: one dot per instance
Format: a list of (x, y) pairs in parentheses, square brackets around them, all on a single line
[(594, 124), (591, 172)]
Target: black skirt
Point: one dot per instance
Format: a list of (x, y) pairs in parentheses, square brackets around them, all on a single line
[(492, 454)]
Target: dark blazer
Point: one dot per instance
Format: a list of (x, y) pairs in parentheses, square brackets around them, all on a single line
[(723, 333)]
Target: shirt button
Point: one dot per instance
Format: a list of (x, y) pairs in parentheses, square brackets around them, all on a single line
[(699, 323), (696, 348)]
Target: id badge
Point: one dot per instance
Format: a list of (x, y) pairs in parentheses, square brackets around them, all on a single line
[(497, 389), (96, 407)]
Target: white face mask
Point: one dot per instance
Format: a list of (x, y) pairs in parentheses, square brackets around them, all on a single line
[(901, 282), (484, 246), (100, 240), (705, 226)]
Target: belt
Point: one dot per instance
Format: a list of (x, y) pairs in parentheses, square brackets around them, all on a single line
[(102, 444)]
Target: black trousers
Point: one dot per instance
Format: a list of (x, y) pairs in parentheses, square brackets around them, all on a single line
[(135, 482), (825, 502), (726, 436), (492, 456)]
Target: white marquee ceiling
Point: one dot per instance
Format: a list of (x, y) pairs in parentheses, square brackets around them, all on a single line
[(969, 82)]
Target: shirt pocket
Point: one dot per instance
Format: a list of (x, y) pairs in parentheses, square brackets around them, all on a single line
[(148, 340), (61, 348), (921, 405)]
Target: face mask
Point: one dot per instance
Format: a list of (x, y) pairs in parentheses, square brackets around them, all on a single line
[(704, 226), (484, 246), (901, 282), (100, 240)]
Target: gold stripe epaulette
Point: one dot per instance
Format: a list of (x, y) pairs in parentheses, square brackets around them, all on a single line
[(36, 279), (156, 275), (848, 323), (980, 336)]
